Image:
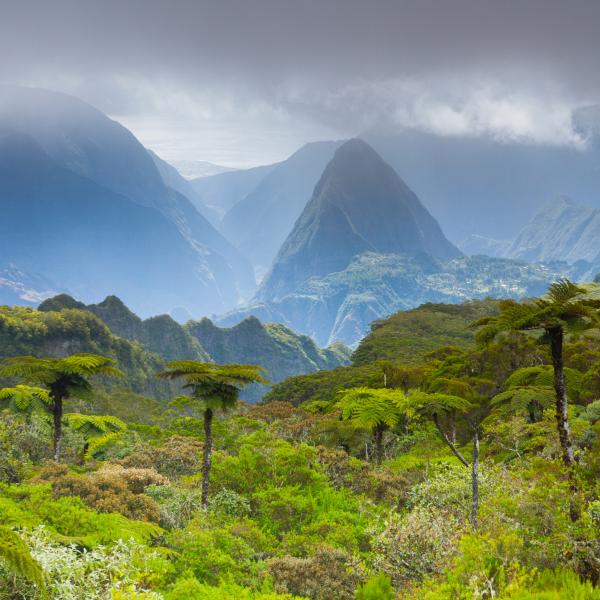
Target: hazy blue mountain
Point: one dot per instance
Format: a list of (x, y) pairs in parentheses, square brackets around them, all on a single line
[(562, 230), (220, 192), (259, 223), (365, 247), (193, 169), (479, 244), (92, 241), (71, 137), (490, 187), (359, 205), (173, 179)]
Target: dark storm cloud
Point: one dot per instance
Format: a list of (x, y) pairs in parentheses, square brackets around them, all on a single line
[(447, 64)]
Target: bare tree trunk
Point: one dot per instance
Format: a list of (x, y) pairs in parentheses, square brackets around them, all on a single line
[(452, 446), (556, 336), (207, 456), (475, 480), (378, 434), (57, 414), (452, 417)]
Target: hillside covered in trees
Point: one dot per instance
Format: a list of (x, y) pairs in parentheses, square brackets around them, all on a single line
[(62, 325), (457, 457)]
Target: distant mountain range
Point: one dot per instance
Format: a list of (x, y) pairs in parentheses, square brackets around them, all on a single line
[(223, 191), (561, 230), (193, 169), (84, 203), (335, 235), (364, 247)]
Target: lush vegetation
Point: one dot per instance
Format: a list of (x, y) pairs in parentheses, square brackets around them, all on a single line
[(465, 469)]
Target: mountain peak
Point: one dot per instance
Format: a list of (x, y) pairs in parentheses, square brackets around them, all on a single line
[(359, 205)]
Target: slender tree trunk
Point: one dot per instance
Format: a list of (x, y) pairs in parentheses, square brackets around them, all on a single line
[(556, 336), (475, 480), (452, 446), (57, 414), (378, 435), (452, 418), (207, 456)]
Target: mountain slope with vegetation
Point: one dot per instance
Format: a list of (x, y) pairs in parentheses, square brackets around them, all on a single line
[(276, 348), (341, 306), (433, 475), (273, 346)]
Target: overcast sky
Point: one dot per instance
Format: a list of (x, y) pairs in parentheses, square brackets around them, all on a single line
[(247, 82)]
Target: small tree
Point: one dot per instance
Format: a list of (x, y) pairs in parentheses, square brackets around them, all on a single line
[(212, 387), (565, 308), (452, 400), (61, 377), (375, 409)]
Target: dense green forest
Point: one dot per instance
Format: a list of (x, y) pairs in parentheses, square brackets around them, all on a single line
[(457, 457)]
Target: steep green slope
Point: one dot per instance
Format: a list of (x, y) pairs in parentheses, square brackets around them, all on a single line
[(276, 348), (408, 335), (404, 338), (161, 334), (279, 350), (27, 331)]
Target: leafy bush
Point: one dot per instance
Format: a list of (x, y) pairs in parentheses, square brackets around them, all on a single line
[(73, 574), (330, 574)]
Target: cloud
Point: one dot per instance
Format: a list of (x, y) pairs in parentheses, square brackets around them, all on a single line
[(258, 78)]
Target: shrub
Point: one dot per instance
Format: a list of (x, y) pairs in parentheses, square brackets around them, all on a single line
[(330, 574), (177, 457), (113, 489), (72, 574), (377, 588), (416, 545)]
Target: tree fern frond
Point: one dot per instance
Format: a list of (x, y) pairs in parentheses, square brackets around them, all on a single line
[(15, 554), (25, 398), (93, 425), (428, 404), (563, 290)]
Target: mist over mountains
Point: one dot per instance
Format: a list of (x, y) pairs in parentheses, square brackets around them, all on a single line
[(91, 211), (340, 233)]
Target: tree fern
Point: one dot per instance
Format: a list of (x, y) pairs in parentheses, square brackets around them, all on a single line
[(62, 377)]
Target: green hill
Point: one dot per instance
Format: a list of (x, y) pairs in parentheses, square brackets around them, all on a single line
[(279, 350)]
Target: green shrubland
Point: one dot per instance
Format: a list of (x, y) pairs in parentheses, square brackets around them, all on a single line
[(359, 484)]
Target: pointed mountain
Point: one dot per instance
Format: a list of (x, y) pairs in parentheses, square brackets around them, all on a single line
[(359, 205), (562, 230), (260, 223)]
